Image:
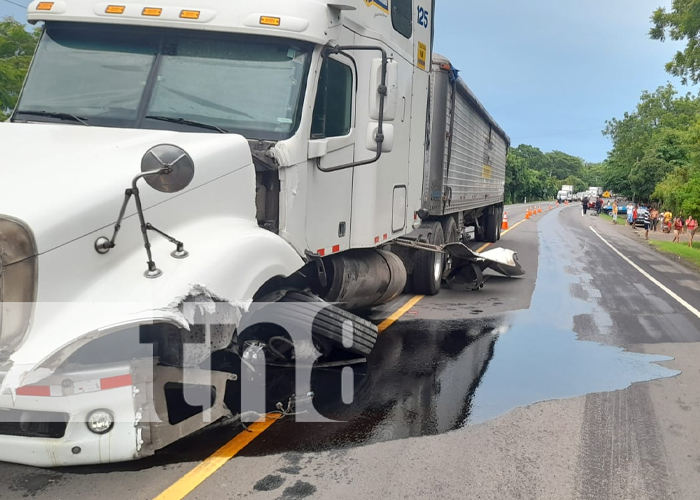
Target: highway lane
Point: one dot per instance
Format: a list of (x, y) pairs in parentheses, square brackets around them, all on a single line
[(446, 404)]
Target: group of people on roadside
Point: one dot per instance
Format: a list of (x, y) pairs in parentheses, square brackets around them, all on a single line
[(653, 217)]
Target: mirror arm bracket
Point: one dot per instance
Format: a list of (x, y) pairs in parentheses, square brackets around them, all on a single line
[(383, 92), (104, 245)]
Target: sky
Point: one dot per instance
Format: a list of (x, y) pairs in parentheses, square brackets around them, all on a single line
[(549, 71), (552, 71)]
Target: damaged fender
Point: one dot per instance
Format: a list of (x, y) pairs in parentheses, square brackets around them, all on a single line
[(229, 268)]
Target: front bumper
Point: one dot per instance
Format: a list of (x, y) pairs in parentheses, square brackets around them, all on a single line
[(45, 425)]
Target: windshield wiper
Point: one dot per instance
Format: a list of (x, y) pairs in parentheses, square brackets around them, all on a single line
[(56, 114), (184, 121)]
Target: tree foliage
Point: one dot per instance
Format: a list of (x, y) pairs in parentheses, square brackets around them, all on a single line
[(534, 175), (16, 49), (651, 143), (681, 23)]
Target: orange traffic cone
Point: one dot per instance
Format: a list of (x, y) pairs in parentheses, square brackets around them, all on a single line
[(539, 209), (528, 214), (504, 224)]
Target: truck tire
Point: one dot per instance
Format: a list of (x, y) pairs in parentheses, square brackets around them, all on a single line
[(499, 221), (491, 226), (451, 232), (430, 266), (327, 325)]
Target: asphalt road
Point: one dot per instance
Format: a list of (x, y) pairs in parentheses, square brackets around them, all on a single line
[(579, 380)]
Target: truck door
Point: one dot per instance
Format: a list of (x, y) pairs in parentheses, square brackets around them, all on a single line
[(332, 143)]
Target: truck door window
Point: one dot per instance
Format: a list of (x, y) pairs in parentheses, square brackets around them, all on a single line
[(401, 16), (333, 108)]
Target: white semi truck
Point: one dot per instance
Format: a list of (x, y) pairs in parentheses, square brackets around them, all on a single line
[(221, 154)]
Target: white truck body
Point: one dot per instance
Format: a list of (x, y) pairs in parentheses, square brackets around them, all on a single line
[(294, 181)]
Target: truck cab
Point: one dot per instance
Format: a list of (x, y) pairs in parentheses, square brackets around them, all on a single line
[(174, 166), (257, 139)]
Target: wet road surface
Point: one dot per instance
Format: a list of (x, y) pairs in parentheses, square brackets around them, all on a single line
[(446, 403)]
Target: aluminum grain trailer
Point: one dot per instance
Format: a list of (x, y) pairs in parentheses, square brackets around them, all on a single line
[(465, 163)]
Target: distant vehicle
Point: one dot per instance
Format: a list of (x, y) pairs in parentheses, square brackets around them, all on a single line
[(639, 221), (596, 191), (621, 209)]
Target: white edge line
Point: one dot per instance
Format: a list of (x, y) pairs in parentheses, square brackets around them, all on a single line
[(650, 277)]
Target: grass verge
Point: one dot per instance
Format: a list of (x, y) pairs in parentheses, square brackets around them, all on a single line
[(682, 250)]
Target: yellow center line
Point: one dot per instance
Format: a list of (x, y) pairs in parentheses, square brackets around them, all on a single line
[(190, 481), (398, 314), (187, 484)]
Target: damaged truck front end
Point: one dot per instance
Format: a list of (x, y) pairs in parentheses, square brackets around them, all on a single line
[(99, 361)]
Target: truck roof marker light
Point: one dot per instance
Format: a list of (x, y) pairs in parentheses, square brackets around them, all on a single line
[(45, 6), (152, 11), (115, 9), (189, 14), (270, 21)]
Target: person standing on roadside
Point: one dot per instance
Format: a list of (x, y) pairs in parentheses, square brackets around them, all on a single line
[(615, 210), (635, 215), (584, 202), (630, 208), (598, 205), (692, 226), (654, 219), (677, 229), (647, 223)]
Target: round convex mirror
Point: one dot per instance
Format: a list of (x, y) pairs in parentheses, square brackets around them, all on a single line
[(174, 158)]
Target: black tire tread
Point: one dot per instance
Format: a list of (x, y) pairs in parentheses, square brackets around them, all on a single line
[(423, 281)]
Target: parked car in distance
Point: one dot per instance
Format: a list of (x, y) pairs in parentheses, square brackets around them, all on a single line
[(639, 221), (621, 209)]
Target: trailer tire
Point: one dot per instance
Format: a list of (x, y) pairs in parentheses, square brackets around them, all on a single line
[(451, 232), (491, 226), (429, 266)]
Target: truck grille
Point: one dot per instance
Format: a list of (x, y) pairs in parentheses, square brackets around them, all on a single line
[(33, 424)]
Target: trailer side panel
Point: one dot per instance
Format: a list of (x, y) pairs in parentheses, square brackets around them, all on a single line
[(467, 158)]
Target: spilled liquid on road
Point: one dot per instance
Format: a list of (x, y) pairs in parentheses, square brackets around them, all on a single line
[(431, 377)]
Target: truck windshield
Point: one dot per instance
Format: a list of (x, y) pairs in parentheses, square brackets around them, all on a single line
[(129, 77)]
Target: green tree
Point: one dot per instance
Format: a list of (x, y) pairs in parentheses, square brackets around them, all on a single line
[(562, 165), (646, 174), (681, 23), (16, 49), (657, 129)]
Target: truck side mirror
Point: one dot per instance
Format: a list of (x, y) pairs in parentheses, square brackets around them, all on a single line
[(167, 168), (392, 87)]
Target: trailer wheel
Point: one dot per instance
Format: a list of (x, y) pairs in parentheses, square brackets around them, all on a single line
[(491, 226), (499, 225), (430, 266), (451, 232)]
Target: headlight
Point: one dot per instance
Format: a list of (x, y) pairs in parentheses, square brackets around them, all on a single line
[(18, 277), (100, 421)]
